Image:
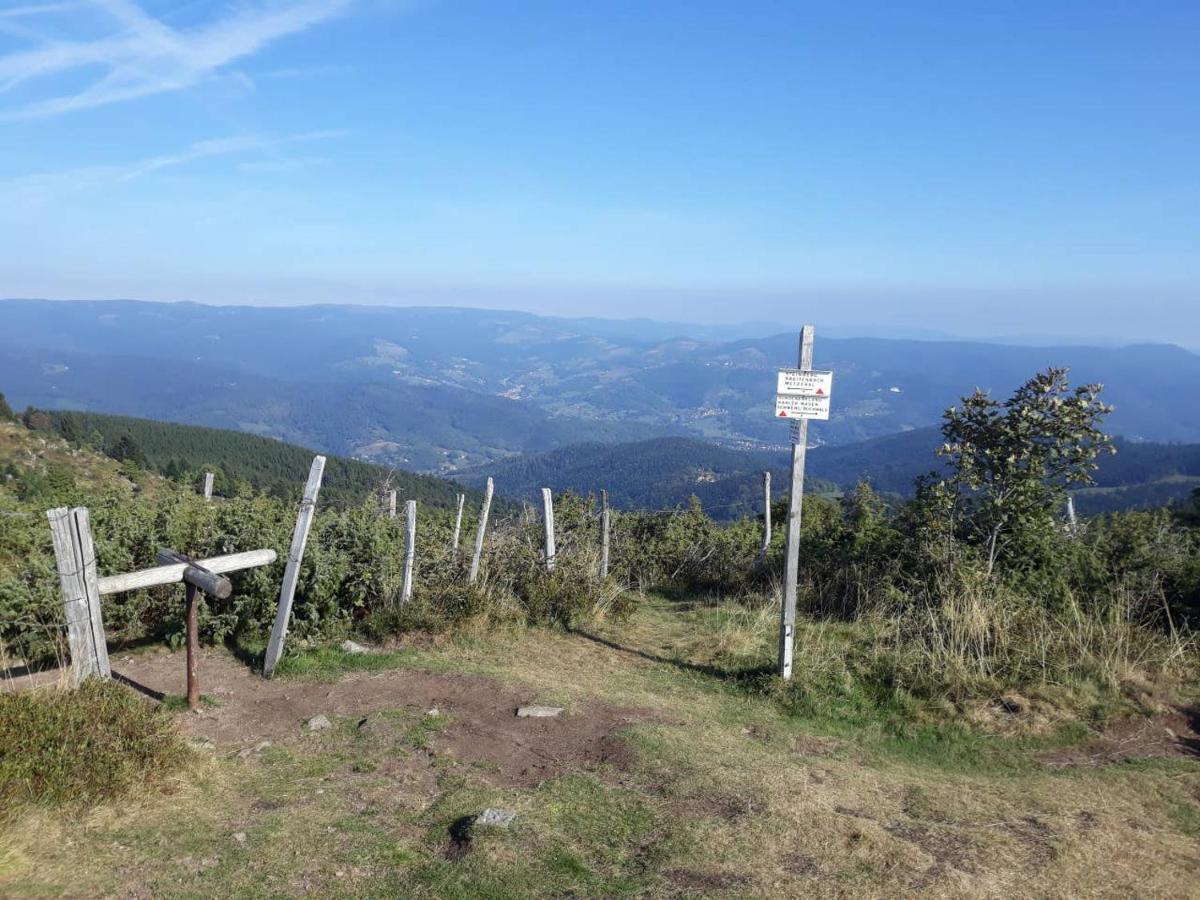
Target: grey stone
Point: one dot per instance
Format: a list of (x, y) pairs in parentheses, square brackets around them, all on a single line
[(538, 712), (493, 817), (318, 723), (240, 837), (352, 647)]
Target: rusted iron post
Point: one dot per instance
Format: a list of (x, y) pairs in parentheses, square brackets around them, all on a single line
[(198, 579), (193, 647)]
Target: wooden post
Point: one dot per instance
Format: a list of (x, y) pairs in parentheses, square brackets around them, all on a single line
[(766, 544), (208, 486), (75, 555), (1072, 519), (548, 527), (791, 569), (462, 498), (479, 535), (391, 504), (604, 525), (287, 590), (410, 548)]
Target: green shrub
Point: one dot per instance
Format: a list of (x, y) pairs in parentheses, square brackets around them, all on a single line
[(95, 742)]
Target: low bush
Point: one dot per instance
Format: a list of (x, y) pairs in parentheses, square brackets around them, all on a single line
[(94, 742)]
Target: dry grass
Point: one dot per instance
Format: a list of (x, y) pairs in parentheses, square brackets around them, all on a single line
[(726, 796)]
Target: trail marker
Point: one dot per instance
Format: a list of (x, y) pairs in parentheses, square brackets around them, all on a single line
[(802, 394)]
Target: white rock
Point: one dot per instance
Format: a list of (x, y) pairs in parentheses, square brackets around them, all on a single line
[(240, 837), (538, 712), (352, 647), (493, 817), (318, 723)]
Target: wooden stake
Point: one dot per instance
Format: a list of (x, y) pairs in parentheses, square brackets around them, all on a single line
[(75, 556), (208, 486), (548, 527), (479, 535), (604, 525), (462, 498), (391, 504), (410, 548), (791, 569), (766, 544), (287, 590)]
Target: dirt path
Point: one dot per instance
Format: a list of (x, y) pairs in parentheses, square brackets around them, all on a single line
[(483, 725)]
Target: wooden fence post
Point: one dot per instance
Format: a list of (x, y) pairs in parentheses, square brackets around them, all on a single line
[(75, 556), (462, 498), (479, 535), (791, 569), (291, 574), (208, 486), (604, 525), (1072, 519), (548, 527), (410, 549), (391, 504), (766, 544)]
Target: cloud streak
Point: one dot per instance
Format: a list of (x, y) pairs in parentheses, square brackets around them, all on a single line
[(47, 185), (141, 55)]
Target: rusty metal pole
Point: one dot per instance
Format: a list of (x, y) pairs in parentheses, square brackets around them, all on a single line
[(193, 648)]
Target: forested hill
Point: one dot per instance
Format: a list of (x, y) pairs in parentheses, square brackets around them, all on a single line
[(239, 459), (655, 474), (663, 473)]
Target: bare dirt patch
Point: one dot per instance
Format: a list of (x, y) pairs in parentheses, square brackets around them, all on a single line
[(483, 726), (1172, 735)]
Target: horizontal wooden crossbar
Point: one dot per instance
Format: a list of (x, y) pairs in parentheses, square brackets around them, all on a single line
[(173, 574)]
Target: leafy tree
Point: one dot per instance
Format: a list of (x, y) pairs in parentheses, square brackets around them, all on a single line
[(126, 449), (6, 411), (1011, 463)]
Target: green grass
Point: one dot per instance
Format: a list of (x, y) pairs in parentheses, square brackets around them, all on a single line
[(91, 743)]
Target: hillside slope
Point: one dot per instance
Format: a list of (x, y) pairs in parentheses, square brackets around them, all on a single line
[(405, 385)]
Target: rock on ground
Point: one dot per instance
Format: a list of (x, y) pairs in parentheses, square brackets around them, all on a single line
[(538, 712)]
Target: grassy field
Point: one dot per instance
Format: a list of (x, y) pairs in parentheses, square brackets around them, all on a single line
[(675, 770)]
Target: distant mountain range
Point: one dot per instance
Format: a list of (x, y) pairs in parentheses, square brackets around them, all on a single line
[(444, 390)]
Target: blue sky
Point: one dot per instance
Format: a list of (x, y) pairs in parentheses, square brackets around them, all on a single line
[(974, 168)]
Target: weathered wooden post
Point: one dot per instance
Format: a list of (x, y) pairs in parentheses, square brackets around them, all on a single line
[(766, 544), (291, 574), (802, 394), (391, 504), (410, 548), (604, 526), (462, 498), (548, 527), (208, 486), (1072, 519), (75, 556), (481, 532)]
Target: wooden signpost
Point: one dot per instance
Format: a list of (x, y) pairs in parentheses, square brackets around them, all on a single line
[(802, 394), (291, 574), (479, 535)]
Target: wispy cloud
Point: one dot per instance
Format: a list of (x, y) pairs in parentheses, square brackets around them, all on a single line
[(47, 185), (142, 55)]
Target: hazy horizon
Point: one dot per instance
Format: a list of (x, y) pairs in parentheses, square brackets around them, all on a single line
[(977, 171)]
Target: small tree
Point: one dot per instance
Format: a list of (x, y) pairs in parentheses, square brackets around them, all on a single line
[(1010, 463), (6, 411)]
